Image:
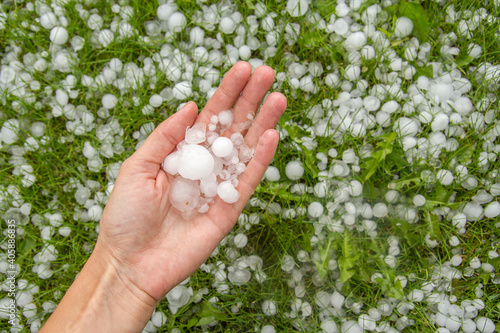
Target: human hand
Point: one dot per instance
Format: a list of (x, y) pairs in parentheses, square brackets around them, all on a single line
[(141, 235)]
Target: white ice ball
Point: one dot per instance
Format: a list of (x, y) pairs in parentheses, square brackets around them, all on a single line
[(222, 147), (58, 35), (272, 174), (404, 27), (109, 101), (195, 162), (177, 22), (165, 11), (227, 25), (297, 8), (227, 192), (182, 90), (294, 170), (48, 20)]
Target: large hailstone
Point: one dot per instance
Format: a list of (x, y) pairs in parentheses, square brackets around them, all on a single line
[(178, 297), (195, 162)]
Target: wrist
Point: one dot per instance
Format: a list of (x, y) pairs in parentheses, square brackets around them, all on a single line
[(102, 300)]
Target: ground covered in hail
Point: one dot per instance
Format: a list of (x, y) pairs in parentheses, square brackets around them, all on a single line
[(379, 212)]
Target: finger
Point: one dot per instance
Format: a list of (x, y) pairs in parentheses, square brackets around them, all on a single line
[(228, 92), (268, 116), (249, 101), (248, 181), (165, 137)]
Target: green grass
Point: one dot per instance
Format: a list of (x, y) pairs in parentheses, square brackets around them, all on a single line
[(358, 255)]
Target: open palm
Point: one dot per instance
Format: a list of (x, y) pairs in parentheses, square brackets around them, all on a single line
[(143, 236)]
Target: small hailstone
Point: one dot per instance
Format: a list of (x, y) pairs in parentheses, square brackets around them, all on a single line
[(109, 101), (9, 131), (184, 194), (240, 240), (315, 209), (227, 192), (329, 326), (404, 27), (64, 231), (297, 8), (171, 163), (177, 21), (48, 20), (475, 263), (195, 134), (294, 170), (456, 260), (355, 41), (492, 210), (222, 147), (227, 25), (268, 329), (341, 26), (164, 11), (337, 300), (195, 162), (155, 100), (159, 319), (58, 35), (182, 90), (95, 212), (272, 174), (380, 209), (473, 211), (485, 325), (226, 118), (445, 177), (269, 308), (238, 275), (419, 200), (105, 37), (351, 326), (366, 322)]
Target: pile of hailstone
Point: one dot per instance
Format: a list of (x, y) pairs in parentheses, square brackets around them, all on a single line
[(207, 164)]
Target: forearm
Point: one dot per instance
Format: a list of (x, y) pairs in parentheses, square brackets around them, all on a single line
[(100, 301)]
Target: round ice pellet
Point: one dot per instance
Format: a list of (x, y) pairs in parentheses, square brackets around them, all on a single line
[(222, 147), (240, 240), (165, 10), (492, 210), (177, 22), (380, 209), (195, 162), (109, 101), (272, 174), (294, 170), (485, 325), (171, 163), (445, 177), (315, 209), (226, 118), (227, 25), (155, 100), (227, 192), (48, 20), (95, 213), (297, 8), (58, 35), (404, 27), (419, 200)]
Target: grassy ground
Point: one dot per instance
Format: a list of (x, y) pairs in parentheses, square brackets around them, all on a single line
[(59, 166)]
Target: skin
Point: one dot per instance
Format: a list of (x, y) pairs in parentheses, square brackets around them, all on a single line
[(145, 247)]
